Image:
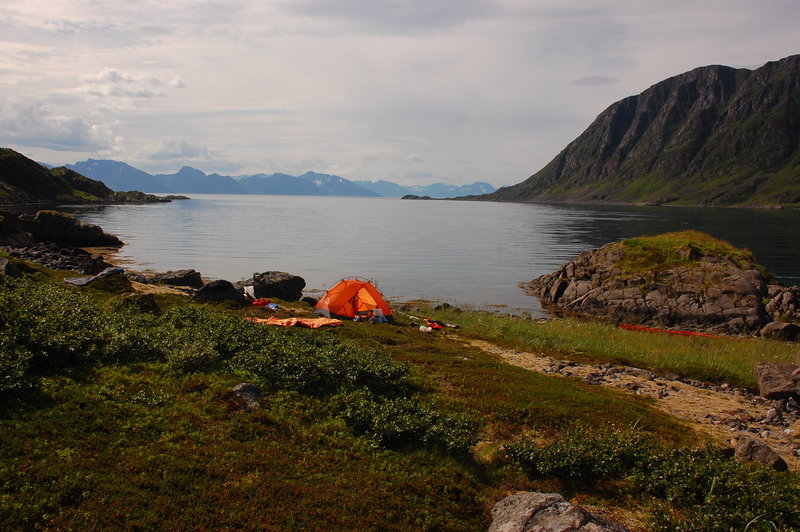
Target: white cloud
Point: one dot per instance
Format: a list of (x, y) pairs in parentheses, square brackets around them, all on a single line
[(115, 83), (487, 90), (178, 149), (34, 124)]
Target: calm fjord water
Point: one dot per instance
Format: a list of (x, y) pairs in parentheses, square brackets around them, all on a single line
[(467, 253)]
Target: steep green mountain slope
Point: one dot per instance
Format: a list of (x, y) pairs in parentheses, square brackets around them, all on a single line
[(712, 136)]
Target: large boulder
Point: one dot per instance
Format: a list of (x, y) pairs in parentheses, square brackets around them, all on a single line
[(778, 381), (749, 450), (545, 512), (63, 229), (683, 287), (780, 330), (280, 285), (218, 291), (188, 278)]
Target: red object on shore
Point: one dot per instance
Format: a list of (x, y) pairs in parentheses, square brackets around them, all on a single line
[(641, 328)]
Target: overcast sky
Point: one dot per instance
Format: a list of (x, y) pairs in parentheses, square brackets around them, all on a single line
[(411, 91)]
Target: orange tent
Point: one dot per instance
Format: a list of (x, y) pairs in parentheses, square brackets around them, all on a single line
[(352, 298)]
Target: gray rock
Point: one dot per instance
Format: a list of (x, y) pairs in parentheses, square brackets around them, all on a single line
[(781, 330), (280, 285), (545, 512), (246, 396), (785, 304), (61, 257), (777, 381), (749, 450), (189, 278), (219, 290)]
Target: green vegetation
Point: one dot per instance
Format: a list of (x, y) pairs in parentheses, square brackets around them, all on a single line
[(718, 360), (111, 417), (662, 252), (698, 489)]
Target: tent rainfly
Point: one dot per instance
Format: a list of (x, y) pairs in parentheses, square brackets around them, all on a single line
[(354, 298)]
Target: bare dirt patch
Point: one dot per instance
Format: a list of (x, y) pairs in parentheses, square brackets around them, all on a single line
[(723, 413)]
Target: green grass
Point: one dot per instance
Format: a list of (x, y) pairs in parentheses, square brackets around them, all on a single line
[(661, 252), (718, 360)]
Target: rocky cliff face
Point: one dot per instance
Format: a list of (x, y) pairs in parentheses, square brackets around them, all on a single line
[(715, 135)]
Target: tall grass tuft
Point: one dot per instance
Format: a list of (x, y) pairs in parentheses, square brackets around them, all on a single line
[(718, 360)]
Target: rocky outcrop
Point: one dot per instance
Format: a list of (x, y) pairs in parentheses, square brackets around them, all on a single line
[(710, 293), (63, 229), (545, 512), (280, 285)]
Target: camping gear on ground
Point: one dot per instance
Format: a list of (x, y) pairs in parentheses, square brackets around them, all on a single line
[(431, 324), (356, 299), (311, 323)]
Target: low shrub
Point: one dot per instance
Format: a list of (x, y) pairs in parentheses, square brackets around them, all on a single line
[(44, 328), (710, 491), (406, 422), (578, 458), (48, 327), (689, 489)]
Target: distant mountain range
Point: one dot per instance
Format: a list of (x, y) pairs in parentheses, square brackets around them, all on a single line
[(121, 176), (713, 136)]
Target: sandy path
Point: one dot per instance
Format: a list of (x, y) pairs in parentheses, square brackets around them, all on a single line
[(721, 412)]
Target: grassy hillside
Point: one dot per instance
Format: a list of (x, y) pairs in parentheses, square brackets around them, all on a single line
[(113, 417), (25, 181)]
